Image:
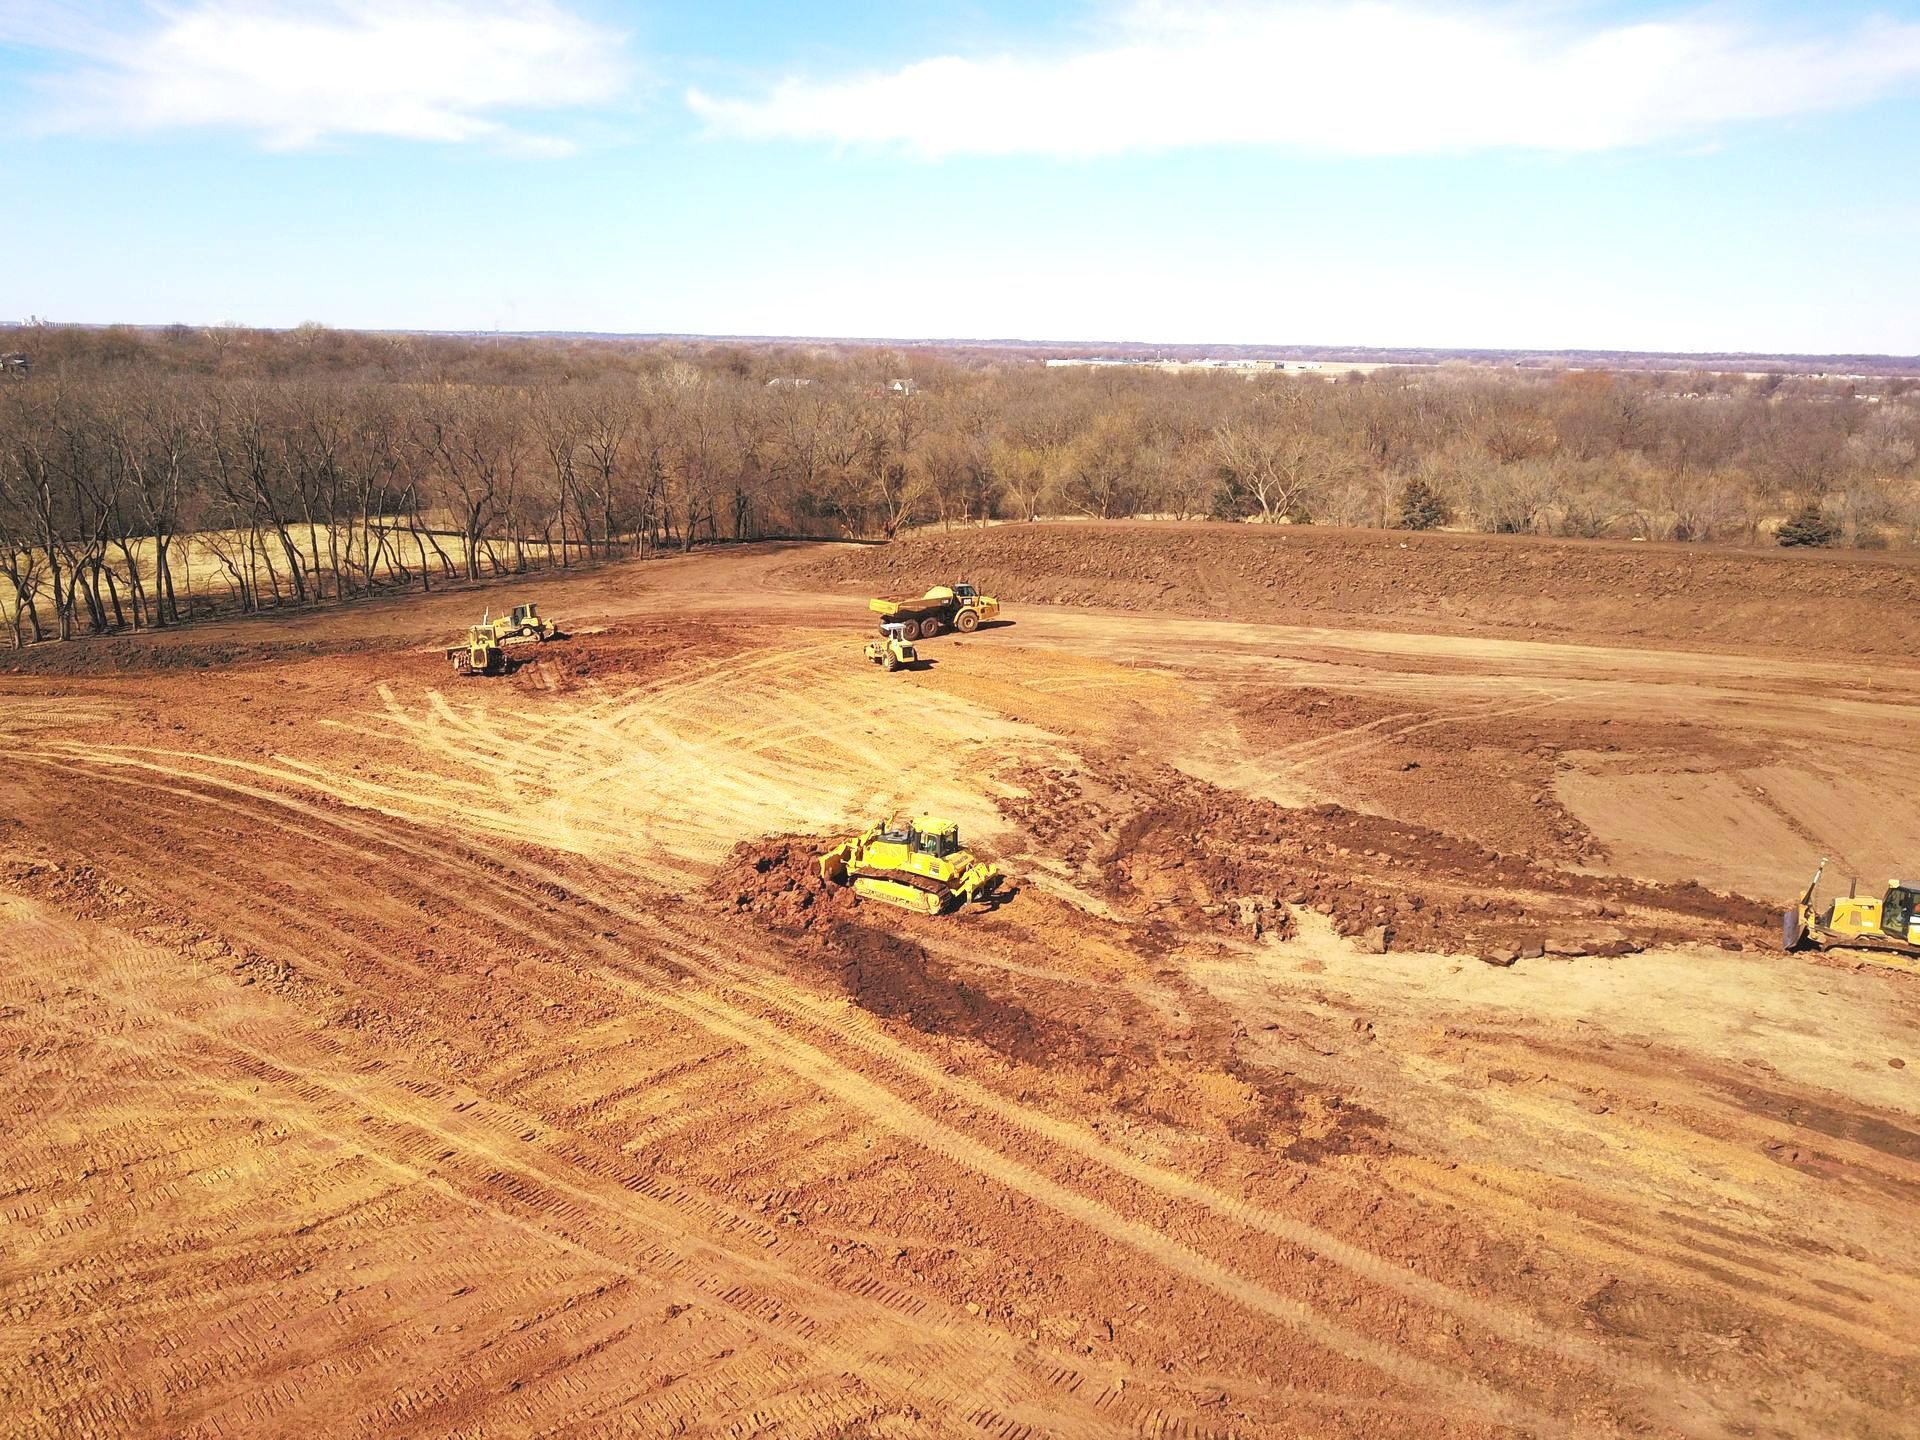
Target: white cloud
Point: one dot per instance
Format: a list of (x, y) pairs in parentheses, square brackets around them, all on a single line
[(296, 74), (1377, 77)]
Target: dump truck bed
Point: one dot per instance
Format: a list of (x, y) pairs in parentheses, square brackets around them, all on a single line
[(913, 606)]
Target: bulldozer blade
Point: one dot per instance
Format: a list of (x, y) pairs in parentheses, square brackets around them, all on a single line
[(1793, 930)]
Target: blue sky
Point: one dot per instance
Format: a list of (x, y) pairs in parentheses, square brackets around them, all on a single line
[(1394, 172)]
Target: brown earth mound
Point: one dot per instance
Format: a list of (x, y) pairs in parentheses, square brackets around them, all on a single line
[(1577, 590), (1200, 854), (1107, 1043)]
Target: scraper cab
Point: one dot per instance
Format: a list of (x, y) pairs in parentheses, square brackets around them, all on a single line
[(916, 864)]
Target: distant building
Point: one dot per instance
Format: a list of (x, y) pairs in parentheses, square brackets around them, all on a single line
[(16, 364), (788, 382), (902, 387)]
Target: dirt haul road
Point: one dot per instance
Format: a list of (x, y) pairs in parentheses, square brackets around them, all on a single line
[(397, 1055)]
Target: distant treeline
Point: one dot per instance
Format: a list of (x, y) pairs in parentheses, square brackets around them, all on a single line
[(316, 465)]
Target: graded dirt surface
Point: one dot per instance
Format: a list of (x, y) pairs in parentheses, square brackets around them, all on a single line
[(396, 1054)]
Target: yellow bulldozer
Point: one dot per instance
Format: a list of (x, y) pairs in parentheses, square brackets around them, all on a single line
[(478, 654), (918, 864), (1888, 927), (524, 623)]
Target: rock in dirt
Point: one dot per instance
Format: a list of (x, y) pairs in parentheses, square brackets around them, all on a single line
[(1375, 940), (1503, 958)]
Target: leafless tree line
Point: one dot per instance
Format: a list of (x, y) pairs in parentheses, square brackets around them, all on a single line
[(315, 466)]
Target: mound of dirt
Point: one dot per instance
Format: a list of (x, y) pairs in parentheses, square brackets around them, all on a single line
[(1562, 589), (1201, 855), (1106, 1042), (618, 653)]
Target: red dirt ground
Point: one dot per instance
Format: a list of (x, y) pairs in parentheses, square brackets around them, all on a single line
[(403, 1054)]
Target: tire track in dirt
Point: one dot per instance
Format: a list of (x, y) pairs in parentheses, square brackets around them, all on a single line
[(480, 1161)]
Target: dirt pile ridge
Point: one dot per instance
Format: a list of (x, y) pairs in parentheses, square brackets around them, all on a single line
[(1589, 591), (1109, 1047), (1196, 855)]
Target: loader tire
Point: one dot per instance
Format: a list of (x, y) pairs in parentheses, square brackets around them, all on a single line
[(967, 621), (889, 664)]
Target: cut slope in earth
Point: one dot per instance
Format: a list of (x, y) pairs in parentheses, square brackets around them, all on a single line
[(1597, 591)]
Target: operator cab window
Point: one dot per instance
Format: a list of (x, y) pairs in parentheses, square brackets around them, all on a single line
[(1897, 912)]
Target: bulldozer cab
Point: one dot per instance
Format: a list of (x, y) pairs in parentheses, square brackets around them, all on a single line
[(522, 614), (938, 838), (1897, 910)]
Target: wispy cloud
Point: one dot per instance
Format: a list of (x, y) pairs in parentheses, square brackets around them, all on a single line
[(298, 74), (1376, 77)]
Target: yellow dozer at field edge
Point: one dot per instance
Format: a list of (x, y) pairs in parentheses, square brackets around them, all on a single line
[(916, 864), (1887, 926)]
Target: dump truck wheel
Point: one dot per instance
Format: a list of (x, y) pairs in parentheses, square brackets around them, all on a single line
[(967, 621), (929, 627), (910, 630)]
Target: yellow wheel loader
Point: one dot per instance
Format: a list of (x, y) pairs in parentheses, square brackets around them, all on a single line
[(917, 864), (479, 654), (1888, 927), (894, 650)]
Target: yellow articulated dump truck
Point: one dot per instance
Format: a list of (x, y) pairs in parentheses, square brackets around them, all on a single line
[(917, 864), (1886, 927), (945, 607)]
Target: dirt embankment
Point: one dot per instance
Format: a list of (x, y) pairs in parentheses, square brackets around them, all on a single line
[(1192, 854), (1590, 591)]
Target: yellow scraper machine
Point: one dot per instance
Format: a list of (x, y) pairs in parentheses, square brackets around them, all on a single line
[(1887, 927), (917, 864)]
